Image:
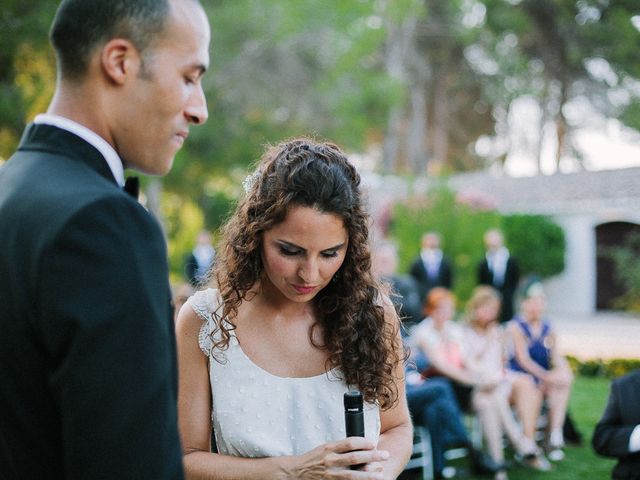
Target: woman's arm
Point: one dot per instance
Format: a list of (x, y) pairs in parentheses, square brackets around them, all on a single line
[(194, 420), (437, 359), (561, 373)]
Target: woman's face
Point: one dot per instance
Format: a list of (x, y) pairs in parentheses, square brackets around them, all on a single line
[(487, 312), (301, 254), (533, 307), (444, 311)]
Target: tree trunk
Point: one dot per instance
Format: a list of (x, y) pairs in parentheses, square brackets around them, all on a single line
[(399, 44), (562, 127), (416, 144), (391, 144), (440, 124), (544, 118)]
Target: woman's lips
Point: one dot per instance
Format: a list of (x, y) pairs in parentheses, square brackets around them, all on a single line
[(303, 289)]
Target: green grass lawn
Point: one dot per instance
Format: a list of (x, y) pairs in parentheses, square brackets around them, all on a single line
[(588, 400)]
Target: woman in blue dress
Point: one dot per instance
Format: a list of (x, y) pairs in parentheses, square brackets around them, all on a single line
[(535, 352)]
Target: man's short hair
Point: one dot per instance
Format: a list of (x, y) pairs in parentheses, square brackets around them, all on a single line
[(81, 26)]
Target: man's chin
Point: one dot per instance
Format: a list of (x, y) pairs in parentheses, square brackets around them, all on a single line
[(153, 168)]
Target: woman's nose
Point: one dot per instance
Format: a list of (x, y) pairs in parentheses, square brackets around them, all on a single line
[(308, 271)]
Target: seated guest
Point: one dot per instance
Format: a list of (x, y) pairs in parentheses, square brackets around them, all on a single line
[(535, 352), (433, 405), (404, 289), (484, 347), (617, 434), (441, 340)]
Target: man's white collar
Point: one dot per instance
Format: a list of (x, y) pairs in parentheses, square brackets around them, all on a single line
[(107, 151)]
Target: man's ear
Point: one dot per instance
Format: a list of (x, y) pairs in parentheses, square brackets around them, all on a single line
[(119, 60)]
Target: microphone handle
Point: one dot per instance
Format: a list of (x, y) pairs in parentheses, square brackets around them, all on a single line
[(354, 423)]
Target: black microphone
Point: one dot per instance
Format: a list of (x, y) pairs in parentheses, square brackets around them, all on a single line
[(354, 417), (353, 414)]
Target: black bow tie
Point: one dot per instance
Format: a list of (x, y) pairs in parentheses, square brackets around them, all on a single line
[(132, 186)]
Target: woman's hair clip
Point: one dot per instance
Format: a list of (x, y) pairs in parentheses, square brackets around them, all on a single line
[(250, 180)]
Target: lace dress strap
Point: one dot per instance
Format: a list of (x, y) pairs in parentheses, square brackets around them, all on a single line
[(205, 303)]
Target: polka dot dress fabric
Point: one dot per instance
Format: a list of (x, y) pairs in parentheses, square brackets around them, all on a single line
[(257, 414)]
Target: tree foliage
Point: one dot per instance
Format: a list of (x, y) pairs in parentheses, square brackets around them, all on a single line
[(423, 81), (537, 242), (26, 66)]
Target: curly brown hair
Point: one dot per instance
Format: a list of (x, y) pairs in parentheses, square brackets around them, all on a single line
[(350, 308)]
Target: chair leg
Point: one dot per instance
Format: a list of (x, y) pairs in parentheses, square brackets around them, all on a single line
[(422, 455), (427, 454)]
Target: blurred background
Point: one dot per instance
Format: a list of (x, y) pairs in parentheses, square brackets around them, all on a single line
[(461, 115)]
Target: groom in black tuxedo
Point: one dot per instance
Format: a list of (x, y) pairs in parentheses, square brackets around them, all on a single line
[(617, 434), (87, 347)]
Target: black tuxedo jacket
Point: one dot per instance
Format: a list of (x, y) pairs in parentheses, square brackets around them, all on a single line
[(87, 348), (444, 278), (622, 414), (508, 287)]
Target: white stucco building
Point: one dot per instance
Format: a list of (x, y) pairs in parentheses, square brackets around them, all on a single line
[(594, 209)]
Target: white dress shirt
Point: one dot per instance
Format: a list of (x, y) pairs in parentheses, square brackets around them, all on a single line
[(634, 440), (431, 259), (107, 151), (497, 262)]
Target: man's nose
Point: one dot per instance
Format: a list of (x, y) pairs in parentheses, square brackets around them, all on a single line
[(196, 111)]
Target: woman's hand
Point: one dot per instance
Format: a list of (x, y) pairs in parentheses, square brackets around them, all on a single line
[(487, 380), (559, 377), (334, 460)]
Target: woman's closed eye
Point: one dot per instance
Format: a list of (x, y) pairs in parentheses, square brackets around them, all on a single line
[(291, 252)]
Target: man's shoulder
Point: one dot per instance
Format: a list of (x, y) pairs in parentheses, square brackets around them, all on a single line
[(44, 191), (416, 259), (60, 185), (630, 380)]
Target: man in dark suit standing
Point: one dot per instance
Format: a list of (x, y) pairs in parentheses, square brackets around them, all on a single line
[(88, 384), (617, 434), (499, 270), (431, 268)]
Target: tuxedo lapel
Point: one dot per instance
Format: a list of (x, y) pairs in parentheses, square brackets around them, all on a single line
[(54, 140)]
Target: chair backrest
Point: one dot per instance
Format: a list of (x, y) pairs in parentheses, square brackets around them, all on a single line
[(421, 456)]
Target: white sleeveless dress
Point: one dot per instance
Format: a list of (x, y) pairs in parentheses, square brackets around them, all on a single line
[(257, 414)]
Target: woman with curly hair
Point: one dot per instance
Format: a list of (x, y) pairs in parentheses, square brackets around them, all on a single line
[(295, 320)]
